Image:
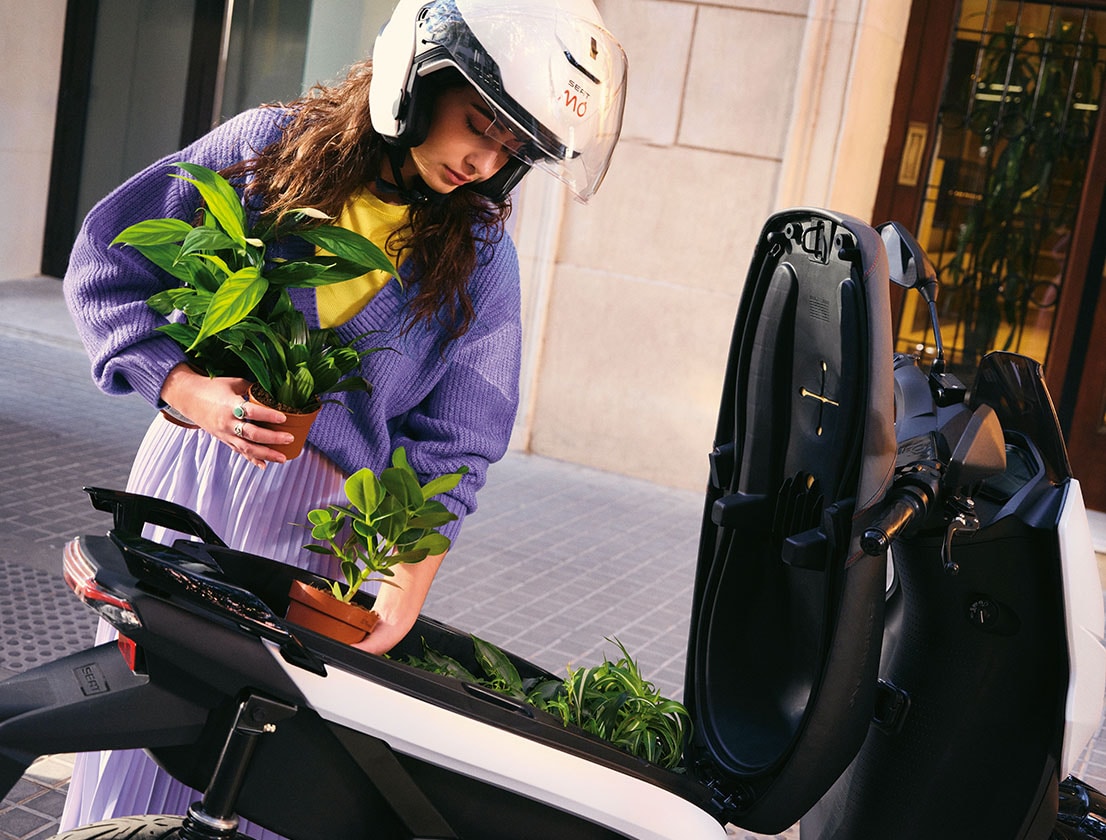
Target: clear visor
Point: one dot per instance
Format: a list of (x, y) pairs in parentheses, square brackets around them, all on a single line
[(554, 82)]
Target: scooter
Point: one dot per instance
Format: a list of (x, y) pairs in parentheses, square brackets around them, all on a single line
[(946, 693)]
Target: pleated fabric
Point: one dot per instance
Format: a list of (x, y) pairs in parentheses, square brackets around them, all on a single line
[(252, 510)]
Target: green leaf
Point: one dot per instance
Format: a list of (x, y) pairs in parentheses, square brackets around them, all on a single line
[(163, 303), (220, 198), (315, 271), (236, 297), (416, 555), (443, 483), (220, 264), (320, 515), (439, 663), (351, 246), (206, 239), (399, 458), (350, 383), (300, 273), (364, 490), (403, 485), (298, 389), (183, 334), (165, 258), (434, 544), (260, 367), (431, 515), (326, 530), (154, 232), (498, 666)]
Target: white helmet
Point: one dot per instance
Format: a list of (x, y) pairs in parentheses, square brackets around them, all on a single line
[(553, 76)]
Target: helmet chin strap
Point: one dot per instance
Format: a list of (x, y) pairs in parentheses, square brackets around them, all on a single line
[(417, 193)]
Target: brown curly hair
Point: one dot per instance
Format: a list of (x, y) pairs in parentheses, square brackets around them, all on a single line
[(329, 150)]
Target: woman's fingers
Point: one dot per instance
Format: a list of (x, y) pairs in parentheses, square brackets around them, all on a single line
[(254, 441), (220, 407)]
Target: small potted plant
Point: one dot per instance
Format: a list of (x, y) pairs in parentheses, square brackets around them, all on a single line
[(237, 316), (390, 519)]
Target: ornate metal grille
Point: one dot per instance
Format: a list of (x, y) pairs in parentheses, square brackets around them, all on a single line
[(1014, 136)]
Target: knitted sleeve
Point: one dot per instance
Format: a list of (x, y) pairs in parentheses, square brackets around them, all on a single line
[(106, 287), (468, 416)]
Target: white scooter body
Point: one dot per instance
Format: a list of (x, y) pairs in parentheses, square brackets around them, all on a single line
[(1083, 610)]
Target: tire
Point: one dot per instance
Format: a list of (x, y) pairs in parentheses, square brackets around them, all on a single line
[(149, 827)]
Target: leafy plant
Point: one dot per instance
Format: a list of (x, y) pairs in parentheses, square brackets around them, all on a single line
[(238, 317), (390, 519), (612, 701)]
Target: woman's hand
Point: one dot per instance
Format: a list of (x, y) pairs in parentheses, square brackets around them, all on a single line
[(212, 404), (398, 606)]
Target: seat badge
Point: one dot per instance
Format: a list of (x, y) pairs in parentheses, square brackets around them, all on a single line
[(91, 679), (821, 397)]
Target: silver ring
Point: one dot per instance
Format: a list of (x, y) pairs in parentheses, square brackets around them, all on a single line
[(239, 411), (238, 429)]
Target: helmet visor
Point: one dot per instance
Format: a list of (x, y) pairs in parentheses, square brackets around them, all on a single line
[(554, 80)]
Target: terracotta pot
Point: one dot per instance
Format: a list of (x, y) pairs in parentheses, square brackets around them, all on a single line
[(318, 610), (298, 424)]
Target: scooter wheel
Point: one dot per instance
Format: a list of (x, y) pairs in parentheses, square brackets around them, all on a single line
[(150, 827)]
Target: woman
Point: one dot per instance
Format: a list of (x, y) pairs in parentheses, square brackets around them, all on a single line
[(418, 148)]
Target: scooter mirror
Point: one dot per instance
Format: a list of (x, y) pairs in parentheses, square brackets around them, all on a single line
[(909, 266), (900, 265), (907, 262)]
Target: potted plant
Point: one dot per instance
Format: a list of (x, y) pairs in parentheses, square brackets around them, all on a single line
[(390, 519), (237, 318)]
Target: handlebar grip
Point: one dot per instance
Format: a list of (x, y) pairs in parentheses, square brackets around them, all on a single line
[(891, 522)]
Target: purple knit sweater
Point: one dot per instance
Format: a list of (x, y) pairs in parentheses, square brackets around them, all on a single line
[(448, 409)]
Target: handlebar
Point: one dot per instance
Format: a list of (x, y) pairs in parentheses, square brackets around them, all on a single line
[(910, 497)]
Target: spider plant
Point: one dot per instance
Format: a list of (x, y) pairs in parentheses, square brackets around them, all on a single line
[(612, 701)]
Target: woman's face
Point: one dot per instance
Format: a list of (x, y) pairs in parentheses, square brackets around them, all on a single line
[(457, 149)]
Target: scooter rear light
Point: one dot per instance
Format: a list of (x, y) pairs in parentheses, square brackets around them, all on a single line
[(131, 653), (80, 576)]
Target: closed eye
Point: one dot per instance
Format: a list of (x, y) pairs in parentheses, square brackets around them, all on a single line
[(483, 123)]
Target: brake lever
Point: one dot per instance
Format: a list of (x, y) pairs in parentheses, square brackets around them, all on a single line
[(962, 521)]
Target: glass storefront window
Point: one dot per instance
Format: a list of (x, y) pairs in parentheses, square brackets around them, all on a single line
[(1013, 142)]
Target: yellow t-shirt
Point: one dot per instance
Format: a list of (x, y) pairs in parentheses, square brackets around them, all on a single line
[(375, 220)]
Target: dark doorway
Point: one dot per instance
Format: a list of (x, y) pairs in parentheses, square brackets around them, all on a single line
[(142, 78)]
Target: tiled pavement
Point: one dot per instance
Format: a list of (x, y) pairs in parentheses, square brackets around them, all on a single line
[(533, 570)]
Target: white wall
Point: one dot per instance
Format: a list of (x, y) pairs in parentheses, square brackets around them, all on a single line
[(30, 43), (735, 110)]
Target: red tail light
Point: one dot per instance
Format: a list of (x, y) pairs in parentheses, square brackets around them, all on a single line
[(80, 576), (130, 651)]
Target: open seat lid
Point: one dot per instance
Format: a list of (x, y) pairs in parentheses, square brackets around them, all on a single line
[(787, 618)]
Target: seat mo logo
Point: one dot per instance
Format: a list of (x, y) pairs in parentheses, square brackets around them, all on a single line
[(91, 679), (576, 99)]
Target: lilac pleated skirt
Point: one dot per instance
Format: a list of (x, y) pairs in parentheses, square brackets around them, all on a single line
[(251, 510)]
